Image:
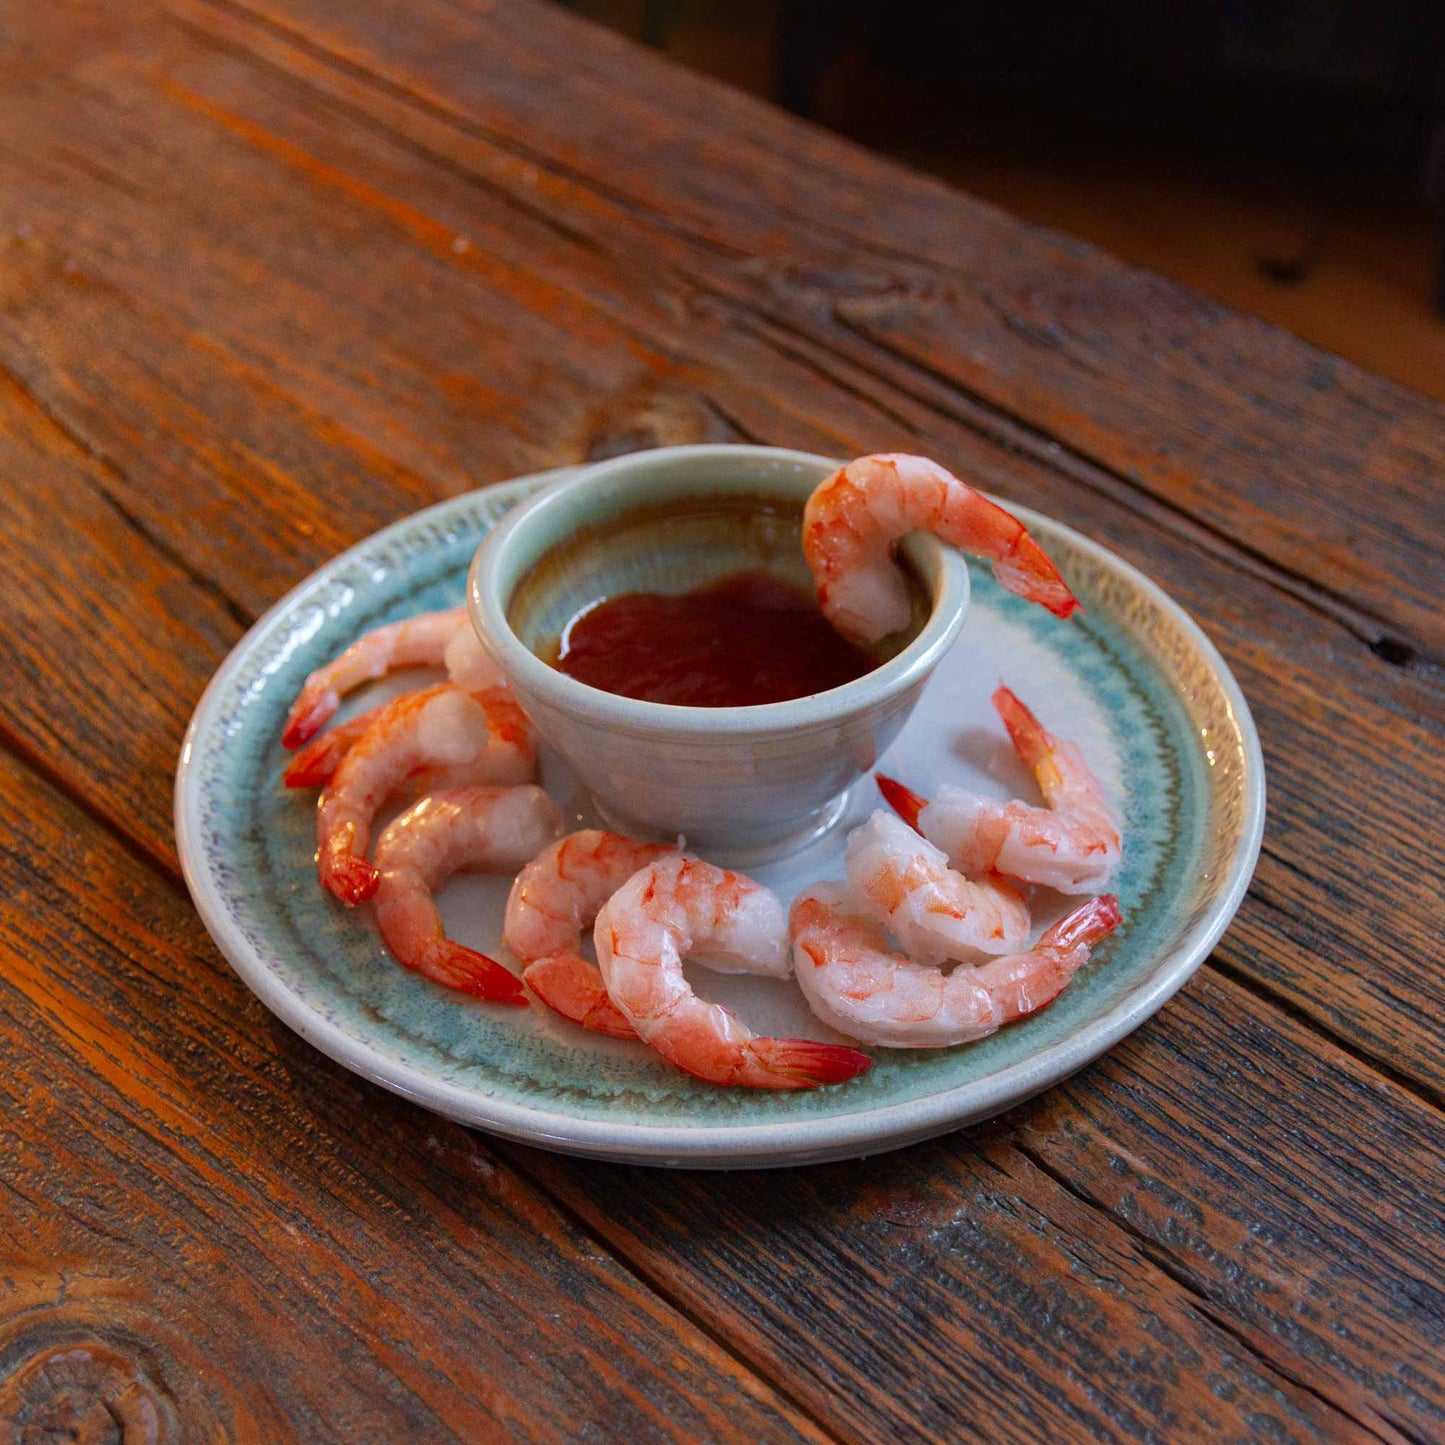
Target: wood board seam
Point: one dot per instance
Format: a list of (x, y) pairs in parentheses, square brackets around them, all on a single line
[(658, 1285), (1381, 1428), (474, 129), (1196, 1296), (35, 762), (511, 199), (101, 461), (1418, 1089), (994, 422)]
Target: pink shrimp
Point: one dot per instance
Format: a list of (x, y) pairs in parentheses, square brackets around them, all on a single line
[(1073, 844), (492, 830), (557, 895), (935, 912), (684, 907), (855, 984), (431, 639), (853, 519), (468, 667), (315, 764), (456, 737)]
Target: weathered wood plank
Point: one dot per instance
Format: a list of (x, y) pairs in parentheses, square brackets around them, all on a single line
[(1278, 1275), (90, 596), (248, 293), (1226, 417), (272, 1247), (190, 360)]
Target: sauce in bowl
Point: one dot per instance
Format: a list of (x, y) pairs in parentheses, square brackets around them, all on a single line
[(702, 602), (747, 638)]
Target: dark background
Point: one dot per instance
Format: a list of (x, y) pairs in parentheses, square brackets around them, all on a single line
[(1285, 156)]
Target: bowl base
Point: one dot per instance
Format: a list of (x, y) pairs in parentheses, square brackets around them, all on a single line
[(732, 852)]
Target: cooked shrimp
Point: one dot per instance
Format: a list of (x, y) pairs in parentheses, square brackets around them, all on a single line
[(853, 519), (1072, 844), (492, 830), (554, 898), (935, 912), (465, 738), (468, 665), (431, 639), (315, 764), (681, 907), (857, 985)]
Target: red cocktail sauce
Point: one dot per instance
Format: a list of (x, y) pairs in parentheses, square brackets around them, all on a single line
[(743, 640)]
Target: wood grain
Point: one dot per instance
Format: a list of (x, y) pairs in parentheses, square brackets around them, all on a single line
[(1177, 1239), (275, 273), (1095, 356), (663, 359), (264, 1245)]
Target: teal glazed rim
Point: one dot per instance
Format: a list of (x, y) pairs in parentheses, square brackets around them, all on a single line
[(1144, 673)]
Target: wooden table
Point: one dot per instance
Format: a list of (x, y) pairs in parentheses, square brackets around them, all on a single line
[(275, 273)]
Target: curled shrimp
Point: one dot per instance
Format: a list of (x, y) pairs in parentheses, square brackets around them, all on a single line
[(680, 907), (431, 639), (553, 899), (853, 519), (492, 830), (1072, 844), (316, 763), (857, 985), (449, 736), (935, 912)]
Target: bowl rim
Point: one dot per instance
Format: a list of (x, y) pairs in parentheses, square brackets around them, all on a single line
[(487, 610)]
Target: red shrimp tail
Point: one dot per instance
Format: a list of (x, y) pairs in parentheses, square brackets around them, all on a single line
[(310, 713), (572, 987), (903, 800), (807, 1064), (1029, 736), (349, 876), (456, 966), (1085, 926), (316, 764), (1029, 572)]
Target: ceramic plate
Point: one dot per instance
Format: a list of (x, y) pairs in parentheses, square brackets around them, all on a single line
[(1134, 682)]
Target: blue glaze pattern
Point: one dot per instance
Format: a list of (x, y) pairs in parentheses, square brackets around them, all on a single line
[(1159, 714)]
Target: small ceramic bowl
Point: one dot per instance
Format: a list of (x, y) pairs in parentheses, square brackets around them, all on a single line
[(743, 784)]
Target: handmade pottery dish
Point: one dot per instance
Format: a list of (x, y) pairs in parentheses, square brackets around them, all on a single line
[(1132, 680), (743, 784)]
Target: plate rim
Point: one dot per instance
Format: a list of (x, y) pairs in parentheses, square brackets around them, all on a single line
[(777, 1143)]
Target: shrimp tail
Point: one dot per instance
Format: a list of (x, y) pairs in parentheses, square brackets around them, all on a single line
[(1085, 926), (1029, 572), (310, 713), (1027, 733), (903, 800), (347, 874), (1032, 741), (464, 969), (801, 1064), (317, 762), (572, 987)]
